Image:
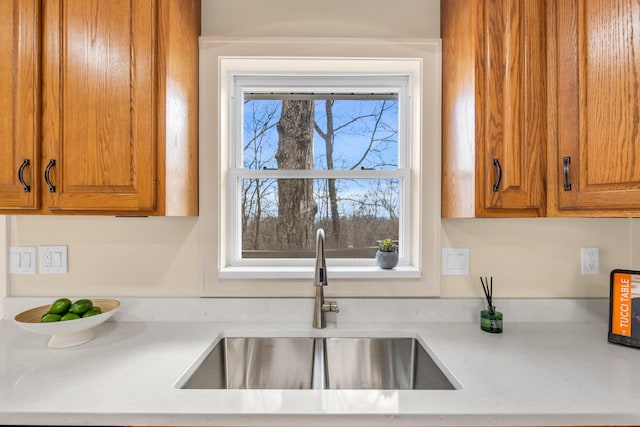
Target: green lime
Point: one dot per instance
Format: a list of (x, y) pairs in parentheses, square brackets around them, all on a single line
[(70, 316), (81, 306), (60, 306), (50, 317), (92, 312)]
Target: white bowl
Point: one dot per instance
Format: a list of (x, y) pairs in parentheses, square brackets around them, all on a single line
[(66, 333)]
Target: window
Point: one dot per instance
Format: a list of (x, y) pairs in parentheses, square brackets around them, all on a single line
[(317, 151), (362, 163)]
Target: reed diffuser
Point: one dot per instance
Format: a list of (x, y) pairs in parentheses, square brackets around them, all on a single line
[(490, 319)]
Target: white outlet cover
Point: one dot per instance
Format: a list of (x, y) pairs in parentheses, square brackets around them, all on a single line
[(53, 260), (590, 258)]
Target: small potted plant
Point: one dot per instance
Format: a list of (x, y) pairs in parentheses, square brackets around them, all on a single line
[(387, 254)]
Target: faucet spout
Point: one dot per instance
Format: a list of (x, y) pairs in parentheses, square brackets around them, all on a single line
[(320, 277), (319, 281)]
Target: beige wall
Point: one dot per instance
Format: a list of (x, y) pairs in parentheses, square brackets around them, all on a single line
[(539, 257), (405, 19), (635, 243), (112, 256), (161, 256)]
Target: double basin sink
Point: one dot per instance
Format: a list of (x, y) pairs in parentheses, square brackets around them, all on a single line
[(317, 363)]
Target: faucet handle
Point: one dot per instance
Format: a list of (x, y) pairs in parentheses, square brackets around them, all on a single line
[(330, 306)]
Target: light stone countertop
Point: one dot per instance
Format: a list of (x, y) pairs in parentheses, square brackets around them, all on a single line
[(559, 372)]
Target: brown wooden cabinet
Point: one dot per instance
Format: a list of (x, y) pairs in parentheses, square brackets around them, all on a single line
[(115, 115), (594, 132), (494, 110), (549, 90), (19, 103)]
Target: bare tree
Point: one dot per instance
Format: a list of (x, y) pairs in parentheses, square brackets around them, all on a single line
[(329, 135), (254, 191), (282, 213), (296, 205)]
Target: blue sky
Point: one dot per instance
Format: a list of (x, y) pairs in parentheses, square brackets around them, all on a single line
[(351, 141)]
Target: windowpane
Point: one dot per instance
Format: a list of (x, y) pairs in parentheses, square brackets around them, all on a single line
[(344, 134), (280, 216)]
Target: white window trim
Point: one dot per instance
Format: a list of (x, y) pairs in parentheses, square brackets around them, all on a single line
[(420, 276), (370, 82)]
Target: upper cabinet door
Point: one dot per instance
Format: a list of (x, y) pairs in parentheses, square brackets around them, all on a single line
[(511, 107), (493, 108), (595, 64), (19, 104), (99, 104)]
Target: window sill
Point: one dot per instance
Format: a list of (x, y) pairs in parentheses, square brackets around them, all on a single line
[(306, 272)]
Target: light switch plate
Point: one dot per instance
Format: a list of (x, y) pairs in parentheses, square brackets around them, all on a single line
[(22, 260), (455, 262), (53, 259)]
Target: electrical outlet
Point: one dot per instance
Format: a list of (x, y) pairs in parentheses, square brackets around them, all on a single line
[(455, 262), (590, 261), (22, 260), (53, 259)]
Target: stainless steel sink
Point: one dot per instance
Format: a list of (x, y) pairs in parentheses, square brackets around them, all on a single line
[(256, 363), (317, 363), (381, 363)]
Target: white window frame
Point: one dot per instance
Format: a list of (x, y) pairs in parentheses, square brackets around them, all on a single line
[(422, 60), (362, 83)]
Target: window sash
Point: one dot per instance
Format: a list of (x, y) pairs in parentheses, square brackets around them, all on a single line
[(236, 176), (238, 173), (358, 84), (313, 96)]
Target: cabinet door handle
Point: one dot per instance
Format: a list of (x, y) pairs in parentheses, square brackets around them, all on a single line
[(567, 182), (26, 187), (52, 163), (496, 186)]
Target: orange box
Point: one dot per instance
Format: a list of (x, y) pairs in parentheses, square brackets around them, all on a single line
[(624, 308)]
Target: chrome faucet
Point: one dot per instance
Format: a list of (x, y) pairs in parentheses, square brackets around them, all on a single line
[(320, 280)]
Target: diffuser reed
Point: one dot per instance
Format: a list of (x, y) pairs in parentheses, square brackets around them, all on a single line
[(490, 319)]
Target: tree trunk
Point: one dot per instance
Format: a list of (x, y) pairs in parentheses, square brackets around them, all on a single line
[(329, 137), (296, 205), (258, 218)]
